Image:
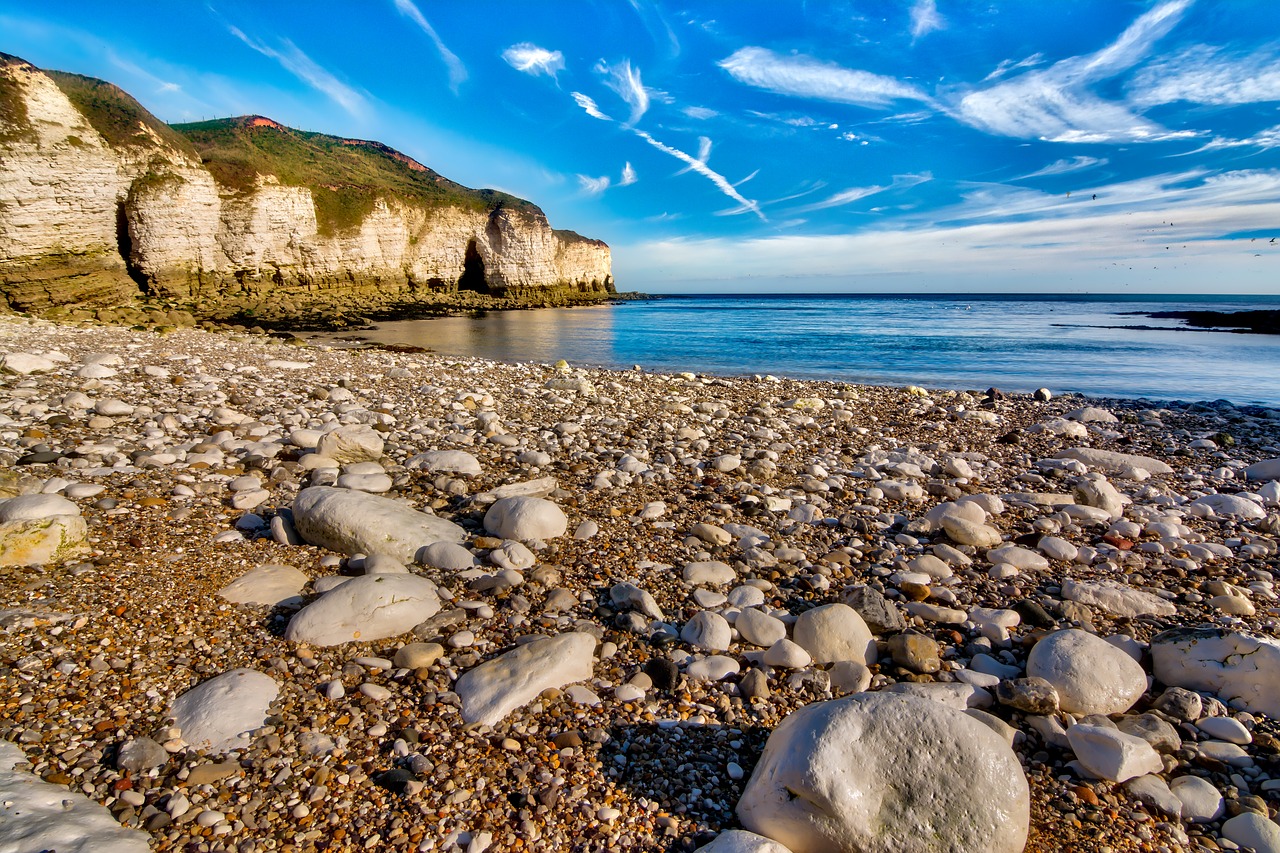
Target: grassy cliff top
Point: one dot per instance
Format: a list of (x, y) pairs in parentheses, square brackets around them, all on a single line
[(345, 176), (116, 115)]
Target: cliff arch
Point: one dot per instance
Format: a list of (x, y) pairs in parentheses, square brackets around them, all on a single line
[(473, 276)]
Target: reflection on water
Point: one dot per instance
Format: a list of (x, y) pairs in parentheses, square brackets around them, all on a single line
[(1015, 343), (581, 335)]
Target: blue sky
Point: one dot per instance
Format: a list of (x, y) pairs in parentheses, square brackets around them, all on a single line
[(783, 146)]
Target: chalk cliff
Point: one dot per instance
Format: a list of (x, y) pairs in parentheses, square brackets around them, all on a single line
[(101, 202)]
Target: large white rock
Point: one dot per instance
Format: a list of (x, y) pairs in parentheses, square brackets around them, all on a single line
[(1091, 675), (741, 841), (707, 631), (370, 607), (1201, 801), (1111, 462), (882, 772), (1267, 469), (497, 687), (1232, 664), (31, 507), (447, 555), (38, 816), (359, 523), (1100, 494), (268, 584), (834, 632), (24, 363), (39, 529), (1111, 754), (1091, 415), (759, 629), (967, 532), (525, 518), (1231, 505), (1253, 831), (351, 443), (1116, 598), (217, 715), (445, 462)]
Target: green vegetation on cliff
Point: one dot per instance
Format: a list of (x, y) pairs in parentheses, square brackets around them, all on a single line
[(345, 176), (116, 115), (14, 123)]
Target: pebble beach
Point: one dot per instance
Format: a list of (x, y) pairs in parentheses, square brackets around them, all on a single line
[(263, 595)]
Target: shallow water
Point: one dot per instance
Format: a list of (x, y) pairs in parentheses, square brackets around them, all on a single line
[(1016, 343)]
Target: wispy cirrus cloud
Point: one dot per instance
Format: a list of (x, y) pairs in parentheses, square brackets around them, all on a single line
[(625, 82), (925, 18), (852, 194), (588, 106), (593, 186), (703, 155), (1209, 75), (1057, 103), (1008, 65), (628, 175), (1066, 166), (700, 113), (1263, 140), (457, 71), (806, 77), (531, 59), (745, 205), (292, 59)]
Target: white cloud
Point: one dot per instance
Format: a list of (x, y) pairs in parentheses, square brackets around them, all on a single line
[(625, 82), (1263, 140), (925, 18), (1062, 167), (628, 175), (987, 246), (1209, 75), (744, 204), (852, 194), (1007, 65), (531, 59), (297, 63), (704, 154), (806, 77), (593, 186), (588, 106), (1056, 104), (457, 71), (700, 113)]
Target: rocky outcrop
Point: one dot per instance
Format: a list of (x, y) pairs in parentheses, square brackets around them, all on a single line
[(100, 203)]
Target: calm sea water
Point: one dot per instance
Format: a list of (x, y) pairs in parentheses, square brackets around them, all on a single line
[(1017, 343)]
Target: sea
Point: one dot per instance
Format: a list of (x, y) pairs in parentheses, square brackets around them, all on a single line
[(1102, 346)]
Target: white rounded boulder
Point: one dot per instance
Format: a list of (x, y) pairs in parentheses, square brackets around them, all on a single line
[(359, 523), (218, 715), (1091, 675), (524, 518), (835, 632), (884, 772), (371, 607)]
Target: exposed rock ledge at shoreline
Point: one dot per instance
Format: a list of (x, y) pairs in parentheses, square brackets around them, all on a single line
[(557, 609)]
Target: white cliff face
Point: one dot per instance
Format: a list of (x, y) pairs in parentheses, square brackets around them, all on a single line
[(59, 186), (173, 221), (65, 191)]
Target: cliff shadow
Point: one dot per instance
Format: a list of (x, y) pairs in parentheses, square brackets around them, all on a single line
[(473, 276)]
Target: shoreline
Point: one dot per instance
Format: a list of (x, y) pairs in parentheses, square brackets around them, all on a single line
[(838, 478)]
